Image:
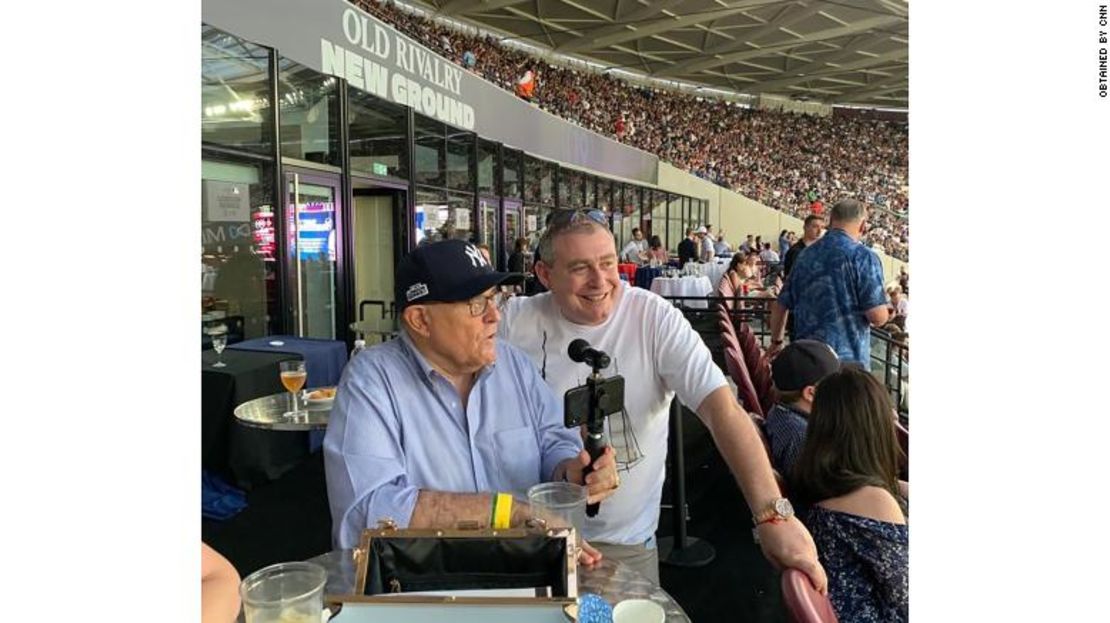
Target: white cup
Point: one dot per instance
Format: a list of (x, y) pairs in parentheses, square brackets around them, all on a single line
[(638, 611)]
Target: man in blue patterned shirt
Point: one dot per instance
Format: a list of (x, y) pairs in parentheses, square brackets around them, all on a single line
[(835, 290)]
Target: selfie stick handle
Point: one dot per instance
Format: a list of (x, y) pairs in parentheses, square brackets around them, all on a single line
[(595, 445)]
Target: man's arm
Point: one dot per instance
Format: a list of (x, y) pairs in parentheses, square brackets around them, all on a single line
[(440, 509), (219, 587), (778, 327), (785, 544), (878, 315)]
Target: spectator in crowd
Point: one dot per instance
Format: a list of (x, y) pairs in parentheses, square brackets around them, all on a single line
[(651, 342), (706, 250), (812, 229), (846, 483), (219, 587), (422, 426), (483, 248), (519, 256), (636, 251), (795, 373), (526, 86), (784, 242), (835, 290), (746, 246), (768, 254), (904, 280), (899, 304), (786, 161), (688, 248), (656, 253), (721, 247), (733, 274)]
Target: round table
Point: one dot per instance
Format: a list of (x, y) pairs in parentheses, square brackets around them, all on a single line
[(684, 286), (611, 579), (268, 412)]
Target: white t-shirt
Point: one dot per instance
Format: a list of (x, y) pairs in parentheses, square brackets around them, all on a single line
[(658, 353), (631, 251)]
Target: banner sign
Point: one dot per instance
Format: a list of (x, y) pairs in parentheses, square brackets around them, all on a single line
[(336, 38)]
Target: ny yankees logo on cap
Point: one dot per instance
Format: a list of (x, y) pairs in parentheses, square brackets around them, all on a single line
[(476, 257)]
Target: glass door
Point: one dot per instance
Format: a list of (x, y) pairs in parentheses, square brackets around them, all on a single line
[(512, 231), (487, 217), (312, 208)]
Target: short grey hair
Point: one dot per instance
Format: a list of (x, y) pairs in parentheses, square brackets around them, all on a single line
[(848, 211), (553, 231)]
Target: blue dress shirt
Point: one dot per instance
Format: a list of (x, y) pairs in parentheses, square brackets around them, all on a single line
[(785, 428), (398, 426), (828, 290)]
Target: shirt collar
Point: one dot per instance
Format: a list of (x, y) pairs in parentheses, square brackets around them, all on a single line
[(794, 410)]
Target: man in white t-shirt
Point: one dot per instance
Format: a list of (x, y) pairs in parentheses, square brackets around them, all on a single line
[(705, 251), (636, 251), (660, 356)]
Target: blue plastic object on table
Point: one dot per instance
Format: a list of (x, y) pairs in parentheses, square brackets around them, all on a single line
[(219, 500), (644, 276), (593, 608), (324, 359)]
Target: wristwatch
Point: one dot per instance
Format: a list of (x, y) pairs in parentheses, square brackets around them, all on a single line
[(779, 509)]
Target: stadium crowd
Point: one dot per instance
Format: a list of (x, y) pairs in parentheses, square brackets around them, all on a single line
[(786, 161)]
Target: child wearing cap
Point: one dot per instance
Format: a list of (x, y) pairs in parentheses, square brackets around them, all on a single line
[(795, 373)]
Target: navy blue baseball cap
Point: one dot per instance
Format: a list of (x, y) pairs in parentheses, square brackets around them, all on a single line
[(446, 271), (803, 363)]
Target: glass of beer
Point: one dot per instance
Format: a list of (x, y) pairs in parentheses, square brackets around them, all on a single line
[(293, 375)]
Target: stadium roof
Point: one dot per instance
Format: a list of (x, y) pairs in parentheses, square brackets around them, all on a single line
[(847, 52)]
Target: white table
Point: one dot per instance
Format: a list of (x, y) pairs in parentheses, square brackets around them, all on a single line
[(684, 286)]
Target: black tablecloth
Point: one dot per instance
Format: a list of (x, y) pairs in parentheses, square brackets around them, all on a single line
[(247, 456)]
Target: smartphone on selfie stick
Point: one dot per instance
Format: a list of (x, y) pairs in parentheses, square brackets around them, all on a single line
[(591, 403)]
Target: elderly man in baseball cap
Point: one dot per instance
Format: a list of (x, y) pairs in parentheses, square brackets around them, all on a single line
[(795, 372), (446, 425)]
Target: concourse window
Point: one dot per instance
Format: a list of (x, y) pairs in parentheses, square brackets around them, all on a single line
[(378, 143), (235, 108), (310, 121), (238, 254), (676, 211), (604, 198), (589, 184), (460, 160), (431, 152), (487, 168), (511, 173), (630, 212), (658, 210)]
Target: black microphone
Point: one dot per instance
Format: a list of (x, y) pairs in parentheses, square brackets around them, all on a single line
[(581, 352)]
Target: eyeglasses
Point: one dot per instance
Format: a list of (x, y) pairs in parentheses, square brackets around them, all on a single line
[(563, 218), (479, 305)]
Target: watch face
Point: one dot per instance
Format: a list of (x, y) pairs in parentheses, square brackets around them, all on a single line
[(784, 508)]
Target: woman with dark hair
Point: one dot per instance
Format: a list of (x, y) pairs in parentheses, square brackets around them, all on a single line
[(519, 254), (657, 255), (846, 484), (733, 272)]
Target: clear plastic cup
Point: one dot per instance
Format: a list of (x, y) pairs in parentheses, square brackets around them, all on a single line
[(288, 592), (564, 501)]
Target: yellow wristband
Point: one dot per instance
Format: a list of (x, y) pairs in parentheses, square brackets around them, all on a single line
[(502, 511)]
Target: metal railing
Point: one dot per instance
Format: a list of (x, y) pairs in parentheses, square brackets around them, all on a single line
[(889, 357)]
